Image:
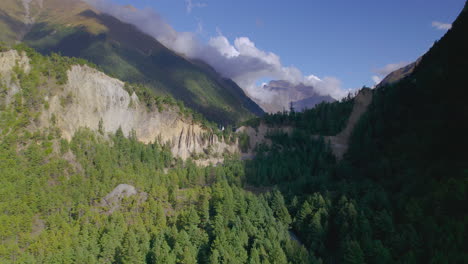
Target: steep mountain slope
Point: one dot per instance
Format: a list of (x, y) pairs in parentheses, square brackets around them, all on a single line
[(399, 74), (399, 193), (413, 143), (73, 28), (332, 121), (77, 185), (87, 98)]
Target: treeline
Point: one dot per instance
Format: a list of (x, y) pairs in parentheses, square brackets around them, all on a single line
[(327, 119), (325, 214), (383, 203), (49, 71), (52, 210), (53, 213), (52, 190), (399, 194)]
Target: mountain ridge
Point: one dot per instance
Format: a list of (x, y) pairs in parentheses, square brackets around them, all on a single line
[(123, 51), (90, 99)]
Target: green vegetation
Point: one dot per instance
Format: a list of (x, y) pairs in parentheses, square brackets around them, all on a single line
[(11, 20), (324, 119), (244, 142), (53, 211), (55, 67), (122, 51), (52, 190), (397, 196)]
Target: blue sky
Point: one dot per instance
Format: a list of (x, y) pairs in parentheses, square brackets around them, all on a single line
[(349, 40)]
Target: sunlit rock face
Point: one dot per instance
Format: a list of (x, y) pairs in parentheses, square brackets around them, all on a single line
[(90, 98)]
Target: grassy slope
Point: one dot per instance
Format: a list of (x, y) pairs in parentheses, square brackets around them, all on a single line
[(11, 15), (74, 29)]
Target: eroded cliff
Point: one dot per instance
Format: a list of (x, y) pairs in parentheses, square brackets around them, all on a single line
[(94, 100)]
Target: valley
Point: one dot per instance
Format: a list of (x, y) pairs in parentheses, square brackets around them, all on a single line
[(116, 149)]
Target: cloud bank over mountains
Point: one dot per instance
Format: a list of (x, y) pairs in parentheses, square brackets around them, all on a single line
[(240, 60)]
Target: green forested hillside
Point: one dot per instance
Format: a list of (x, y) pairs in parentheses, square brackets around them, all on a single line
[(325, 119), (53, 212), (399, 195), (121, 50), (55, 205)]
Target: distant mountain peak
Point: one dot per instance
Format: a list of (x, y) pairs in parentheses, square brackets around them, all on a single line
[(284, 93)]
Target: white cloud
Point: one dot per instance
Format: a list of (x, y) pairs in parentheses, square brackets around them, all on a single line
[(386, 70), (241, 60), (376, 79), (190, 5), (221, 44), (441, 26)]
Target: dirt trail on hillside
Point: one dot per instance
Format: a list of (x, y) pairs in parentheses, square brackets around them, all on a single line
[(340, 142)]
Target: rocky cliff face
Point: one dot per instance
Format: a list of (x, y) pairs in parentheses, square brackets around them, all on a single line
[(8, 61), (90, 97), (259, 135)]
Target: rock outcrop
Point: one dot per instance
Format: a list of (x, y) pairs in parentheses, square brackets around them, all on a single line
[(8, 61), (259, 135), (113, 200), (91, 98)]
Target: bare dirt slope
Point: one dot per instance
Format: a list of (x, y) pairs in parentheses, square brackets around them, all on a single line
[(339, 143), (259, 135)]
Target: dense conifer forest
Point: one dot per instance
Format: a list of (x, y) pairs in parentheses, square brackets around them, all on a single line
[(397, 196)]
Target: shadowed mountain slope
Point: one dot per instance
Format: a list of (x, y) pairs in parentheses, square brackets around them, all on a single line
[(73, 28)]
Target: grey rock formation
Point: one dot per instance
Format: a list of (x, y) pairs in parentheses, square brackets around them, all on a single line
[(259, 135), (92, 97), (8, 60), (113, 200), (120, 192)]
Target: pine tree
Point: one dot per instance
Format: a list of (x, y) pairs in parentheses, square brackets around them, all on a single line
[(161, 253), (353, 253), (130, 253)]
